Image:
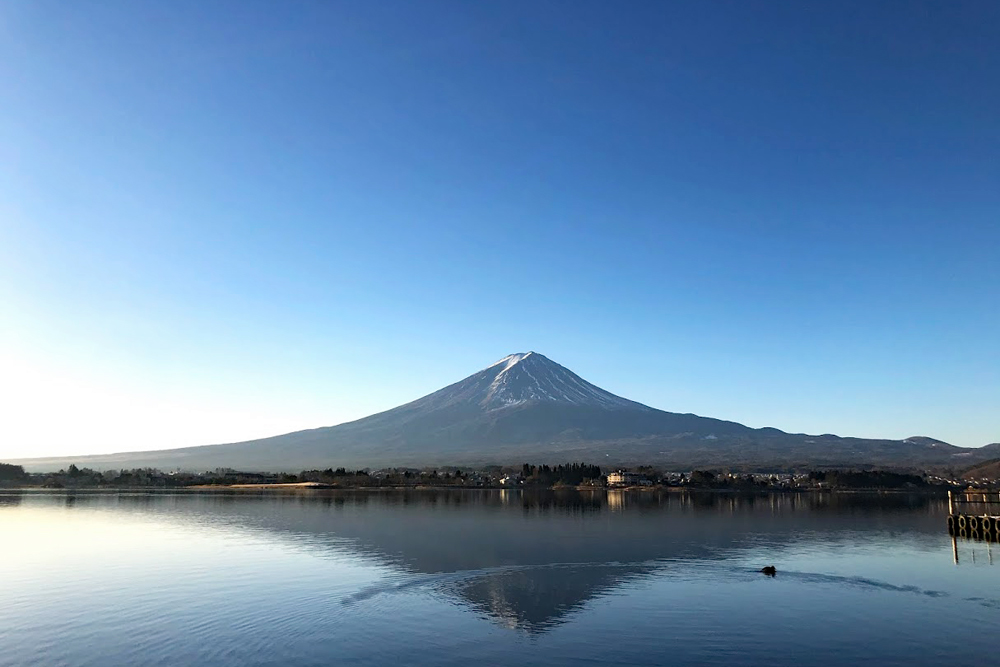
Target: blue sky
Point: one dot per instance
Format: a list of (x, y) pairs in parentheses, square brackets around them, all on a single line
[(224, 220)]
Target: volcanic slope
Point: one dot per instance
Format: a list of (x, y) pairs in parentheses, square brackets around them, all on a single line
[(526, 407)]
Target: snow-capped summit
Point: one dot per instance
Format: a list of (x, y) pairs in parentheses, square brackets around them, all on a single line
[(521, 379), (511, 359), (529, 376)]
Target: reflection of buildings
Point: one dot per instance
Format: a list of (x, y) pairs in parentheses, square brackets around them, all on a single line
[(616, 499)]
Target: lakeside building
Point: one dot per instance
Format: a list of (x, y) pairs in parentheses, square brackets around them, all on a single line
[(626, 478)]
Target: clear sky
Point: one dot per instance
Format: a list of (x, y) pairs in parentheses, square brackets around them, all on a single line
[(229, 220)]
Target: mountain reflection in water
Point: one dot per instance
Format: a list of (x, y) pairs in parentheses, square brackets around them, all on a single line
[(227, 578), (528, 560)]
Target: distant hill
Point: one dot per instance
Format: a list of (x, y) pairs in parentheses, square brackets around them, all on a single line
[(985, 470), (527, 407)]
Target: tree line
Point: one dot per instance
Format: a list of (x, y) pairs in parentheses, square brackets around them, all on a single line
[(12, 473), (529, 475), (570, 474)]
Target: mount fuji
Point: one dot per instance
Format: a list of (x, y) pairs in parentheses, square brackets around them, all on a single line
[(526, 407)]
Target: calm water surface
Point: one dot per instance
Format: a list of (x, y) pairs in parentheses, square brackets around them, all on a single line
[(487, 578)]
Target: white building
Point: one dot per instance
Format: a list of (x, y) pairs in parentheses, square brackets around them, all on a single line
[(625, 478)]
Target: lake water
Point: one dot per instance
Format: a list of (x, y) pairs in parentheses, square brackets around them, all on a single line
[(489, 578)]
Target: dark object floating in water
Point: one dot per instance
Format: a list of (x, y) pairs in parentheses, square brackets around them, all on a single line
[(769, 570)]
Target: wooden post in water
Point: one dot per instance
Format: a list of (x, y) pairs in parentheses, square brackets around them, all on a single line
[(951, 505), (954, 549)]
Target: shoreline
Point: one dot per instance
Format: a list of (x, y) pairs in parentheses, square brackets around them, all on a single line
[(320, 486)]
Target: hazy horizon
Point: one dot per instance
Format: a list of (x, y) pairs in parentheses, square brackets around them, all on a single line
[(228, 221)]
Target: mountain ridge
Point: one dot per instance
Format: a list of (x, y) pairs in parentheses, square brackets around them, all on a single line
[(526, 407)]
